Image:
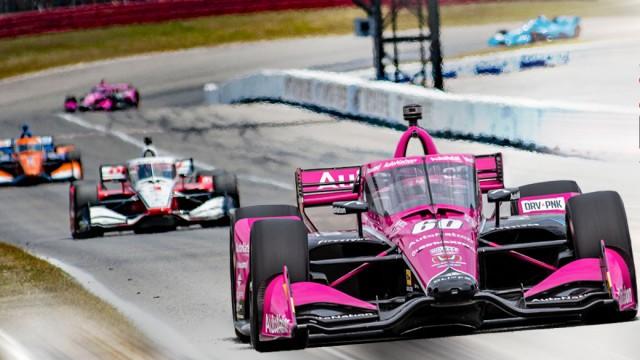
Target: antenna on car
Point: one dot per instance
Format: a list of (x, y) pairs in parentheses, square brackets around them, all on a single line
[(412, 113), (148, 150), (25, 131)]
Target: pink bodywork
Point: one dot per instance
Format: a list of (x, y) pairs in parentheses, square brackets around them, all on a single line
[(423, 136), (326, 186), (311, 293), (591, 270), (98, 96), (489, 170), (434, 238), (278, 314), (544, 204)]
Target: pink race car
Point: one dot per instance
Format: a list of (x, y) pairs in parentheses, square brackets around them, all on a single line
[(423, 255), (105, 97)]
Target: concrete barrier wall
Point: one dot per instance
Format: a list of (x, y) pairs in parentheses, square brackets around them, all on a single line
[(522, 122)]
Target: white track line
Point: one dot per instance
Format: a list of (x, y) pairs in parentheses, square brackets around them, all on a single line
[(11, 348), (139, 144), (157, 330)]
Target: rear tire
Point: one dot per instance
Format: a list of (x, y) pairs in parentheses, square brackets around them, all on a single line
[(74, 100), (601, 216), (268, 239), (244, 213), (137, 101), (83, 194), (576, 32), (546, 188), (74, 155), (226, 184)]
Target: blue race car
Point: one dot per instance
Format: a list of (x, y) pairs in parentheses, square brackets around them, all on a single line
[(540, 28)]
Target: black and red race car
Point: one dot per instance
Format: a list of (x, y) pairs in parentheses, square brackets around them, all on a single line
[(422, 253)]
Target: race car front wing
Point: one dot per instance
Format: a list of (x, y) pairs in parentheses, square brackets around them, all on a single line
[(575, 290), (103, 216)]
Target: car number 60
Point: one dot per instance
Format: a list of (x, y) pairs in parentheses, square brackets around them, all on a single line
[(444, 224)]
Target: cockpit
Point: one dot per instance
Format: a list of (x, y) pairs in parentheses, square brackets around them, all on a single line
[(144, 171), (421, 182), (28, 147)]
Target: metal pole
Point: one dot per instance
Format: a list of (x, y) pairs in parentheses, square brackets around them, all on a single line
[(394, 29), (423, 55), (378, 45), (436, 54)]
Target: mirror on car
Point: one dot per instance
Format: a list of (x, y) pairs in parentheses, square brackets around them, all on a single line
[(500, 195), (349, 207), (184, 168)]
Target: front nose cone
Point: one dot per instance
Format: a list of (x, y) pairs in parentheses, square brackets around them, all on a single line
[(31, 164), (452, 285)]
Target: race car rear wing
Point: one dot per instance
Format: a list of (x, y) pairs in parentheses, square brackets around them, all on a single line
[(324, 186), (113, 173), (489, 172)]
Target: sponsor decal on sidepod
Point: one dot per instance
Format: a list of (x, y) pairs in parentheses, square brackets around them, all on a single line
[(543, 205)]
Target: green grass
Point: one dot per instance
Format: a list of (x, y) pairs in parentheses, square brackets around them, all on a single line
[(23, 275), (32, 53), (38, 296), (25, 278)]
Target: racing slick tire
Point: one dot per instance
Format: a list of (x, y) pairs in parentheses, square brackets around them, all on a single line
[(227, 184), (72, 99), (577, 31), (546, 188), (600, 216), (536, 37), (268, 239), (74, 155), (83, 193), (243, 213), (136, 102), (224, 184)]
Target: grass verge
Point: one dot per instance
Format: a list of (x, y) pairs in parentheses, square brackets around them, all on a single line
[(50, 313), (33, 53)]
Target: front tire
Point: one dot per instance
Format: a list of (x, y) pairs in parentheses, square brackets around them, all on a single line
[(600, 216), (268, 239), (245, 213), (82, 195)]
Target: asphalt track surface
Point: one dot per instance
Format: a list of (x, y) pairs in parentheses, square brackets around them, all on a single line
[(181, 278)]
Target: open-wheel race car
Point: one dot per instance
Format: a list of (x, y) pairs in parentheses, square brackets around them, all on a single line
[(540, 28), (105, 97), (36, 159), (151, 194), (423, 255)]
